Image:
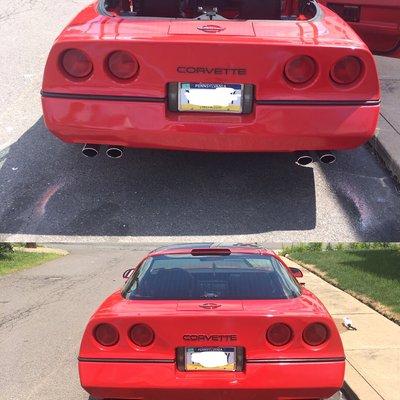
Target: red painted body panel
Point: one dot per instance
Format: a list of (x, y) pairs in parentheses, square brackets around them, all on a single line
[(258, 382), (261, 47), (268, 128), (379, 24), (294, 371)]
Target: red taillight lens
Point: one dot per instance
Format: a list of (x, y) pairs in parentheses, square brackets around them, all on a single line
[(106, 334), (315, 334), (122, 65), (300, 70), (347, 70), (76, 64), (279, 334), (142, 335)]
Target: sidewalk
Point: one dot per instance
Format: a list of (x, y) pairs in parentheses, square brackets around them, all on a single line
[(372, 351), (387, 139)]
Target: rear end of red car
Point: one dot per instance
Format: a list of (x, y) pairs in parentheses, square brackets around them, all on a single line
[(234, 327), (295, 85), (271, 357)]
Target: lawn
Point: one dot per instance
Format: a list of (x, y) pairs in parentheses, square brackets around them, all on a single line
[(371, 273), (18, 260)]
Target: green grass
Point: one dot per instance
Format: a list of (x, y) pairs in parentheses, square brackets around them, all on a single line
[(371, 273), (18, 260)]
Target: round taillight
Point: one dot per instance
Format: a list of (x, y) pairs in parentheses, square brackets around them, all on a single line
[(76, 64), (142, 335), (279, 334), (300, 70), (122, 65), (106, 334), (315, 334), (347, 70)]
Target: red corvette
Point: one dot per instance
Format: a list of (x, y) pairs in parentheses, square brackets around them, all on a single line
[(219, 75), (210, 322)]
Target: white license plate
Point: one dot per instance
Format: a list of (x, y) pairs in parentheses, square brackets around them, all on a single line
[(210, 97), (210, 359)]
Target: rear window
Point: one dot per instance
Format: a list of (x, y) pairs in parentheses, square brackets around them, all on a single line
[(187, 277)]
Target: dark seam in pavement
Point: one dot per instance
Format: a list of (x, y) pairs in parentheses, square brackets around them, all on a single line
[(362, 376), (395, 129)]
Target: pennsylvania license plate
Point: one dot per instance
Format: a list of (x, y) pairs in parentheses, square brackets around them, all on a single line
[(210, 97), (210, 359)]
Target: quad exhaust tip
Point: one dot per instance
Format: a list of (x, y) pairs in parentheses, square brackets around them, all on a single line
[(304, 160), (91, 150), (327, 157), (114, 151)]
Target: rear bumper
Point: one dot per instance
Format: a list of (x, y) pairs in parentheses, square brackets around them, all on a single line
[(260, 381), (147, 123)]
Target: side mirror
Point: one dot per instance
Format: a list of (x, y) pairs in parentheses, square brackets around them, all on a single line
[(296, 272), (128, 273)]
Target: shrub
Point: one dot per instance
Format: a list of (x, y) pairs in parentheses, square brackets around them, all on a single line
[(5, 249)]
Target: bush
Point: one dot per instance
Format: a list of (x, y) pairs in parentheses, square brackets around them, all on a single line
[(302, 247), (319, 247), (5, 249)]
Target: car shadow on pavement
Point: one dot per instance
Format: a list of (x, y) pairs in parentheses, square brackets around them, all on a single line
[(367, 193), (48, 187)]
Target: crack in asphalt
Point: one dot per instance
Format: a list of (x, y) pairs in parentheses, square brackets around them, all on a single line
[(27, 6), (52, 296)]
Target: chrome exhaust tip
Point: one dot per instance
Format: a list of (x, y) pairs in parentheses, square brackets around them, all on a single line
[(326, 157), (304, 160), (115, 151), (91, 150)]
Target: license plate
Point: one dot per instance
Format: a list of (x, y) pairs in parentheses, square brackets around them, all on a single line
[(210, 359), (210, 97)]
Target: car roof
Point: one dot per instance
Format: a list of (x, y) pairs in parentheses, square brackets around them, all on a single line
[(187, 248)]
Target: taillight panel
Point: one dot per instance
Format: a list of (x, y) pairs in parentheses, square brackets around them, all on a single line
[(106, 334), (75, 64), (122, 65), (300, 70), (346, 70), (142, 335), (279, 334), (315, 334)]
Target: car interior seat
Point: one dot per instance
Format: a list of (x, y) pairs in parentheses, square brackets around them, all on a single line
[(263, 9), (164, 8), (256, 285), (174, 283)]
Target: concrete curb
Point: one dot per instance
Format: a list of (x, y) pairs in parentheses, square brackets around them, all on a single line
[(386, 146)]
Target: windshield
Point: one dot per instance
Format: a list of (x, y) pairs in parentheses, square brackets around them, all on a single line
[(235, 276)]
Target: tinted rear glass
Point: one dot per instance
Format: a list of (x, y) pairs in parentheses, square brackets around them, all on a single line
[(186, 277)]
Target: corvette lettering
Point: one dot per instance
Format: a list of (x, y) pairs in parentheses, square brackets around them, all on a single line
[(211, 71), (210, 338)]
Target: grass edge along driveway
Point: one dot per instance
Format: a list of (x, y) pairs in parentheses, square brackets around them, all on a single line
[(19, 260), (370, 275)]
